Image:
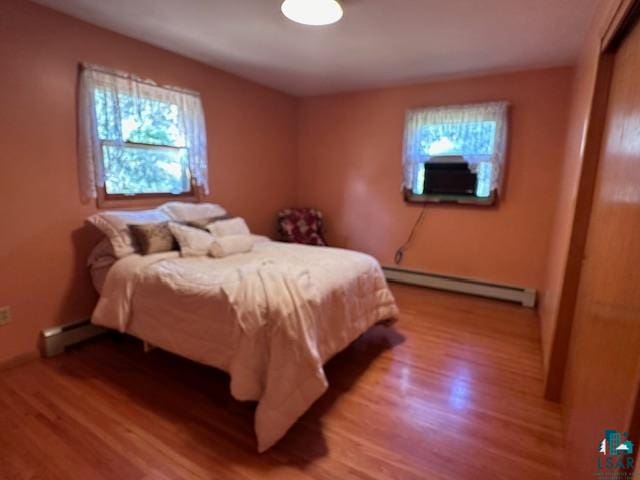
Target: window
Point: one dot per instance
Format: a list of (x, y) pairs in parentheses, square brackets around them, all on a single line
[(139, 139), (475, 132)]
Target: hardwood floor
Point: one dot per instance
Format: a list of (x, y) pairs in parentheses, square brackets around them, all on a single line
[(452, 391)]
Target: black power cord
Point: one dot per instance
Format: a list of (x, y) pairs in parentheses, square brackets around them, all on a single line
[(400, 252)]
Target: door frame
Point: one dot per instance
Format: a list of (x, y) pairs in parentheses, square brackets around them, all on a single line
[(624, 16), (623, 19)]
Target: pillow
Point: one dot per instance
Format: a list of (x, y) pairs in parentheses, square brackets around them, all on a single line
[(186, 212), (232, 226), (114, 225), (153, 237), (102, 254), (202, 223), (259, 238), (231, 244), (193, 241)]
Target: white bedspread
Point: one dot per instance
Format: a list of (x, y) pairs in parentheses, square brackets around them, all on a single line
[(271, 317)]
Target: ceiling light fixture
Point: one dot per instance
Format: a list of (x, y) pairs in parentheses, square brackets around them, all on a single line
[(312, 12)]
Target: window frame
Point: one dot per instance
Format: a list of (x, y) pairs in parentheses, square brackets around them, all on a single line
[(110, 200), (411, 197), (106, 199), (408, 193), (93, 150)]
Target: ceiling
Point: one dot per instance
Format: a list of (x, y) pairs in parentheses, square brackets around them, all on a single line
[(378, 42)]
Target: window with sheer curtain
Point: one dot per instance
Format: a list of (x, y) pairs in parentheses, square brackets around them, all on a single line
[(476, 132), (139, 139)]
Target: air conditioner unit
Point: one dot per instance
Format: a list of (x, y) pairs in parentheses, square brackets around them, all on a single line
[(449, 175)]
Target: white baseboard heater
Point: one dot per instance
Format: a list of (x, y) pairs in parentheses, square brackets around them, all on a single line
[(54, 340), (524, 296)]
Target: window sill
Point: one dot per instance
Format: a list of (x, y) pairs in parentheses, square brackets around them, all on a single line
[(149, 200), (410, 197)]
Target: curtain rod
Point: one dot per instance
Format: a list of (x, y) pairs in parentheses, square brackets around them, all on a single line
[(135, 78)]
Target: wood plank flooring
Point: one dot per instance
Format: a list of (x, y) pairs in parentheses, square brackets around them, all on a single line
[(452, 391)]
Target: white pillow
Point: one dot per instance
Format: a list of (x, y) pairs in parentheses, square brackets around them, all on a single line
[(259, 238), (232, 226), (114, 225), (186, 212), (193, 242), (231, 244), (102, 254)]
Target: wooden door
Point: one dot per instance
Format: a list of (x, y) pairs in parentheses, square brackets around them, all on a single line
[(604, 359)]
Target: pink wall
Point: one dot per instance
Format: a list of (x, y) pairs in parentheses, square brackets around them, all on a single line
[(572, 169), (349, 163), (43, 246)]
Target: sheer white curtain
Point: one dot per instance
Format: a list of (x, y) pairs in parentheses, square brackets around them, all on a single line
[(477, 132), (111, 92)]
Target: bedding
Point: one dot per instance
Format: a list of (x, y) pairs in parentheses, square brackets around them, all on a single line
[(231, 226), (100, 260), (187, 212), (231, 245), (115, 226), (271, 318), (202, 223), (193, 241), (153, 237)]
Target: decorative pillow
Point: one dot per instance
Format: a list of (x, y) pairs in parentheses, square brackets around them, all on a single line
[(231, 244), (232, 226), (186, 212), (202, 223), (114, 224), (193, 241), (153, 237)]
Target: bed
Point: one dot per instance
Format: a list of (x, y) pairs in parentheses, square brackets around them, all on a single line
[(271, 317)]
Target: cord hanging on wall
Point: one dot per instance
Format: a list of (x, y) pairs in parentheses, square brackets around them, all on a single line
[(400, 252)]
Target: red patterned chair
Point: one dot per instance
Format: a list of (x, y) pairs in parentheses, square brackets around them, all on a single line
[(301, 225)]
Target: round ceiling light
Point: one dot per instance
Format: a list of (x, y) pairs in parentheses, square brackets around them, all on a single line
[(312, 12)]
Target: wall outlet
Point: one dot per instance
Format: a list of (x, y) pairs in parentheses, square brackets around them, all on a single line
[(5, 315)]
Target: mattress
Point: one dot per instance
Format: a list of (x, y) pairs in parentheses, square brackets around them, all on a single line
[(270, 318)]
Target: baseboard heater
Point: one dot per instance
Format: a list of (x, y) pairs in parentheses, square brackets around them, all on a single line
[(521, 295), (54, 340)]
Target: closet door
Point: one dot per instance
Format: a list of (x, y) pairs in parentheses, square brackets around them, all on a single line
[(604, 359)]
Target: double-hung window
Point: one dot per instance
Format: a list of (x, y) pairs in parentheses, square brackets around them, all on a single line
[(139, 139), (474, 133)]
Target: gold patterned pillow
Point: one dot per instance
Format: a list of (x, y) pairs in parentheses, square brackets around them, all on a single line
[(153, 237)]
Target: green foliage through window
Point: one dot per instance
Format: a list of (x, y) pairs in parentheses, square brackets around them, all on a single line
[(143, 145)]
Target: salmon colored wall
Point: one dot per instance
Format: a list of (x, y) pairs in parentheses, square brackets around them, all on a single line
[(571, 172), (43, 245), (349, 162)]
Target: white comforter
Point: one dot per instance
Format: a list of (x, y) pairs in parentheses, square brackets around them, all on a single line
[(271, 318)]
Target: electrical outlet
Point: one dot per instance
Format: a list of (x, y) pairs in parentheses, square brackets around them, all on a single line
[(5, 315)]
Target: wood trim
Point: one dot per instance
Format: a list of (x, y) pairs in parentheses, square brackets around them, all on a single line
[(622, 16), (111, 200), (105, 200), (579, 229), (443, 199), (625, 14)]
